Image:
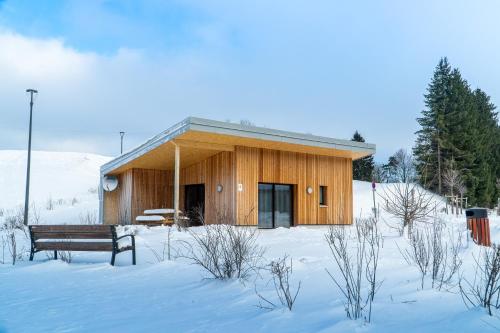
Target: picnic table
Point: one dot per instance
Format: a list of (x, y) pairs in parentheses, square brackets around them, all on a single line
[(159, 216)]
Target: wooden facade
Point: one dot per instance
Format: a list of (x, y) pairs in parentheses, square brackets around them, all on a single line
[(246, 167)]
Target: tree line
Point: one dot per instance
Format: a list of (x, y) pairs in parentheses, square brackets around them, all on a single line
[(457, 149)]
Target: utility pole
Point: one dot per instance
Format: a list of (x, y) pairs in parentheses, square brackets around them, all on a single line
[(121, 142), (27, 197)]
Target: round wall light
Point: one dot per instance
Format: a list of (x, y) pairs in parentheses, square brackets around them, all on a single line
[(309, 190), (219, 188)]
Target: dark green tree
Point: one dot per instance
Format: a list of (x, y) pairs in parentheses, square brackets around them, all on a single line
[(430, 142), (486, 164), (362, 169), (459, 125)]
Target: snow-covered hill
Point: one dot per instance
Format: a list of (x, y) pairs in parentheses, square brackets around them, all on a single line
[(53, 174), (63, 185)]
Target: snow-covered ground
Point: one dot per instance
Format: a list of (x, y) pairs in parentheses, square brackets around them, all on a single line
[(89, 295)]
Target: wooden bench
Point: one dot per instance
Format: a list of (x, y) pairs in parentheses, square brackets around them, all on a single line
[(60, 238)]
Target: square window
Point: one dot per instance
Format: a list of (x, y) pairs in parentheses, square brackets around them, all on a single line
[(322, 195)]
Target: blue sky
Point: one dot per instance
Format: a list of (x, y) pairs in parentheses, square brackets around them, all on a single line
[(321, 67)]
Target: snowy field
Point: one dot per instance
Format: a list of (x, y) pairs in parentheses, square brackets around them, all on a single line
[(160, 295)]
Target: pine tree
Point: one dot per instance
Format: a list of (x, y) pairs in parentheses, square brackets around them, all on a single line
[(362, 169), (430, 142), (459, 127), (488, 151), (462, 146)]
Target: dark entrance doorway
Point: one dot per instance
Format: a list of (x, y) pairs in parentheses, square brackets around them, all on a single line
[(194, 203), (275, 205)]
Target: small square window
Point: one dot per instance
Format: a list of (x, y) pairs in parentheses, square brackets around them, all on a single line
[(322, 196)]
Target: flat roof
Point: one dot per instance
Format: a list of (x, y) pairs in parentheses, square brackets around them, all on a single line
[(237, 130)]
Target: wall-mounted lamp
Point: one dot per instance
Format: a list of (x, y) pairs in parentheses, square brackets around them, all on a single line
[(309, 190), (219, 188)]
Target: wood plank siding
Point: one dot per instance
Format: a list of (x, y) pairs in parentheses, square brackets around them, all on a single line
[(243, 168), (141, 189), (254, 165)]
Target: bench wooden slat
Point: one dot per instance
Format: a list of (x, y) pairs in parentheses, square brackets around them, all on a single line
[(71, 228), (74, 246), (72, 235), (76, 238)]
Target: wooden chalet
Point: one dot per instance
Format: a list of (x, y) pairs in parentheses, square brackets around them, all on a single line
[(255, 176)]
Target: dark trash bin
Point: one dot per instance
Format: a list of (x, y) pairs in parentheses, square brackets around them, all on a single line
[(479, 225)]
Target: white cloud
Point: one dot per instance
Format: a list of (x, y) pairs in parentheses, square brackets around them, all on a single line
[(86, 98), (35, 60)]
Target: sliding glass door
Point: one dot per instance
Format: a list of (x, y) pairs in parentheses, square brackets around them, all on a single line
[(275, 205)]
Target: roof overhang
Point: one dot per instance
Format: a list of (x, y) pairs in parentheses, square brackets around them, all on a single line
[(202, 138)]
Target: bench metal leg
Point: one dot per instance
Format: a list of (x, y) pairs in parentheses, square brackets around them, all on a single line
[(133, 256), (55, 255), (32, 254), (113, 258)]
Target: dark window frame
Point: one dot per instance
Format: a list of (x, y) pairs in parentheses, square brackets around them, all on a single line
[(292, 194), (323, 196)]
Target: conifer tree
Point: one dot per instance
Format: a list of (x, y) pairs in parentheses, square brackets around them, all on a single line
[(458, 125), (430, 141), (488, 149), (362, 169)]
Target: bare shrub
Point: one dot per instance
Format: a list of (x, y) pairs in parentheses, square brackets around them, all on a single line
[(88, 217), (281, 272), (358, 274), (12, 224), (484, 289), (2, 212), (49, 205), (12, 245), (3, 245), (408, 202), (34, 213), (166, 252), (66, 256), (432, 253), (445, 255), (74, 201), (223, 250), (419, 253), (453, 181), (183, 222)]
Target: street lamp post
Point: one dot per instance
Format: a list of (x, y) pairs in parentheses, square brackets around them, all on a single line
[(121, 142), (27, 197)]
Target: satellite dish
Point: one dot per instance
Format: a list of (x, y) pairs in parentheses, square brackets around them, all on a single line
[(109, 183)]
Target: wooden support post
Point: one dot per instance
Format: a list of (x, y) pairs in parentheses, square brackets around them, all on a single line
[(176, 183)]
